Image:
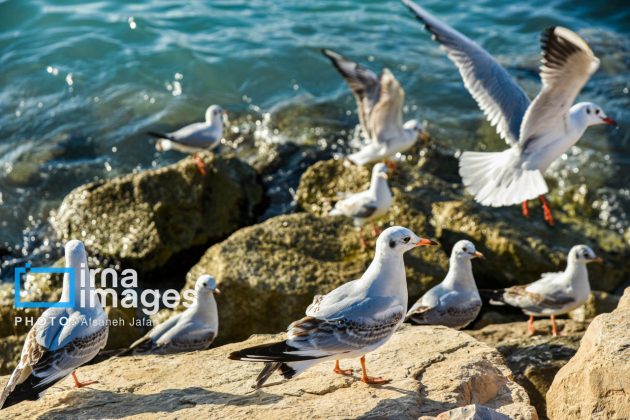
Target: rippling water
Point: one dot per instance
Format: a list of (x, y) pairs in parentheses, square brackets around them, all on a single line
[(82, 81)]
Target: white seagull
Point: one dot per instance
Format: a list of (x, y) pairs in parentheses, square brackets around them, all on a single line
[(63, 338), (380, 102), (455, 302), (555, 293), (196, 137), (367, 205), (352, 320), (194, 329), (538, 132)]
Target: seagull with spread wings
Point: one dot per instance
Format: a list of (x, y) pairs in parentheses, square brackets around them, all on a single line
[(555, 293), (196, 137), (194, 329), (380, 103), (64, 337), (538, 132), (352, 320)]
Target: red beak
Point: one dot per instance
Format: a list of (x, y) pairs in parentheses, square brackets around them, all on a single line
[(425, 242), (609, 121)]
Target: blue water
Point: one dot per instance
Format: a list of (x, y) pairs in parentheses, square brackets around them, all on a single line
[(81, 81)]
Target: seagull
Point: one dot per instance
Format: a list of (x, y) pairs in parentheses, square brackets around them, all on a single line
[(555, 293), (196, 137), (455, 302), (367, 205), (63, 338), (352, 320), (538, 132), (194, 329), (380, 102)]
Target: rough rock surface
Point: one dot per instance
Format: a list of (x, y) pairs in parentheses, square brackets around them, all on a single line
[(535, 360), (595, 383), (141, 220), (268, 273), (518, 250), (433, 370)]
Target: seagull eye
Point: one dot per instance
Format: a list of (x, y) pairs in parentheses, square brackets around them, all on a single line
[(406, 239), (597, 111)]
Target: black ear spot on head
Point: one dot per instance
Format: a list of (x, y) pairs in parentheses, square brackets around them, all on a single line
[(588, 110), (392, 244)]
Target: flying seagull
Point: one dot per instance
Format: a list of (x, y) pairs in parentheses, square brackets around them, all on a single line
[(380, 103), (538, 132), (349, 322)]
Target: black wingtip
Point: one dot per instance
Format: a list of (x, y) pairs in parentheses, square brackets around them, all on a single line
[(157, 135)]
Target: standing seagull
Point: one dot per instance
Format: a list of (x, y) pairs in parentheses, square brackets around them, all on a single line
[(555, 293), (455, 302), (194, 329), (380, 101), (538, 132), (367, 205), (352, 320), (63, 338), (196, 137)]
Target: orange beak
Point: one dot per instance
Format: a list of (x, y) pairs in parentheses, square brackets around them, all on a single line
[(597, 260), (609, 121), (478, 254), (426, 242)]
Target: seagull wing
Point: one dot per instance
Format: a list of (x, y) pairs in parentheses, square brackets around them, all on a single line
[(567, 64), (358, 205), (502, 101), (364, 83)]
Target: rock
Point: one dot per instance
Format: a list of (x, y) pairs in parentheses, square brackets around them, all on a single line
[(433, 370), (598, 303), (535, 360), (268, 273), (595, 383), (513, 257), (142, 220), (472, 412)]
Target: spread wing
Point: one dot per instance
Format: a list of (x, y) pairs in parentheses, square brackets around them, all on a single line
[(567, 64), (364, 83), (502, 101)]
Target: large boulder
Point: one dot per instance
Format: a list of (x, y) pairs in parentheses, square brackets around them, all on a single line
[(518, 249), (141, 220), (268, 273), (534, 361), (595, 383), (434, 370)]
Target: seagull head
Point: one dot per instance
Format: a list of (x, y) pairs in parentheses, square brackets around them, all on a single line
[(465, 250), (216, 115), (75, 253), (594, 115), (583, 254), (206, 284), (379, 171), (398, 240), (413, 125)]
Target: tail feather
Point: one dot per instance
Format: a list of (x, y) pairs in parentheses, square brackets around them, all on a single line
[(495, 296), (496, 179), (158, 135)]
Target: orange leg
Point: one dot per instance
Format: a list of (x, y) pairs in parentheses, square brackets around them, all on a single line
[(79, 384), (375, 230), (368, 379), (362, 240), (392, 166), (530, 325), (525, 209), (200, 164), (554, 328), (546, 210), (340, 371)]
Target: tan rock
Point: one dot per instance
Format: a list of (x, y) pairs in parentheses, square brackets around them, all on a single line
[(595, 383), (433, 370)]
